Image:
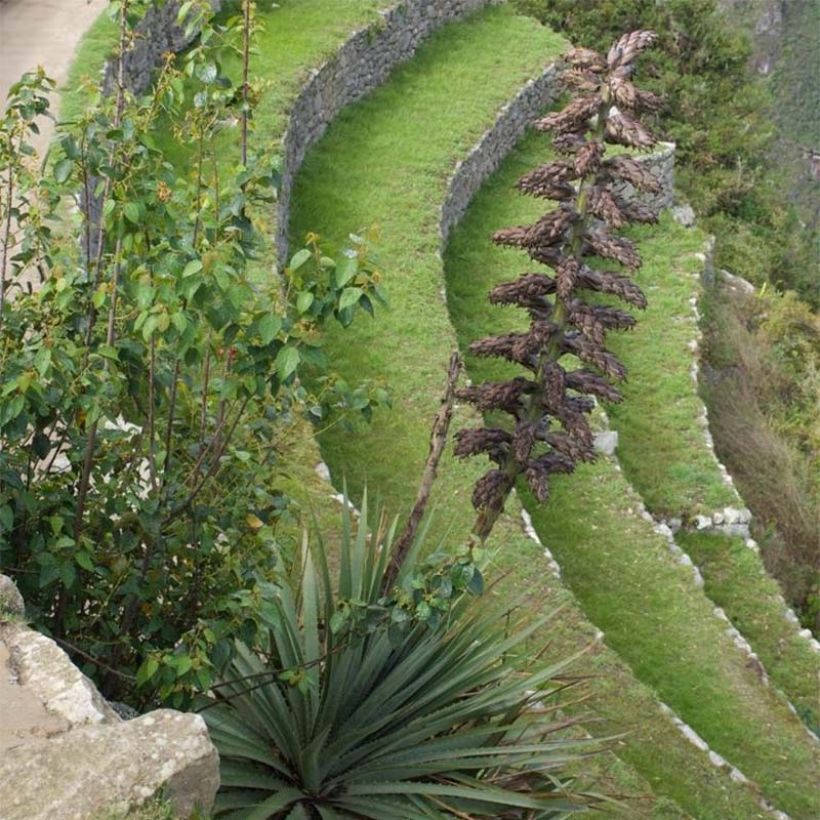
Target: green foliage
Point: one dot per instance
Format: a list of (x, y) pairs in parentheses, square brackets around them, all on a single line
[(144, 378), (721, 119), (388, 718)]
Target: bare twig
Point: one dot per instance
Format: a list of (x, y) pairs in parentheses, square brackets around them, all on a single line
[(438, 440), (212, 469), (246, 48)]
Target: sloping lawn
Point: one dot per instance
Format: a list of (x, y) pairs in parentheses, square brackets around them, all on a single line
[(622, 573), (386, 160)]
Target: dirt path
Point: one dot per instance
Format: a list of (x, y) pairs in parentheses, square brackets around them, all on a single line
[(42, 32)]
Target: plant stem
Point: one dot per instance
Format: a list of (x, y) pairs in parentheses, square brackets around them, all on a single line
[(91, 443), (488, 516), (438, 440), (223, 443), (6, 243), (246, 47), (152, 367)]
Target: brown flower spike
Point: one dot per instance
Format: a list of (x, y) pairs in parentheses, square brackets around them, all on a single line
[(549, 432)]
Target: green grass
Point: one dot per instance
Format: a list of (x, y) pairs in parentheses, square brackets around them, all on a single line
[(662, 448), (620, 571), (386, 160), (752, 601), (87, 66)]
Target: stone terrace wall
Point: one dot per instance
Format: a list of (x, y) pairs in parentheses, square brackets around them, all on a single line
[(158, 33), (662, 163), (490, 151), (358, 67)]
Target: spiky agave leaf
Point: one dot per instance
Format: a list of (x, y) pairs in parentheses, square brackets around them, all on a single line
[(437, 724)]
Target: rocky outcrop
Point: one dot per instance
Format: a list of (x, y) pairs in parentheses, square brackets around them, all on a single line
[(100, 771), (64, 752), (11, 601)]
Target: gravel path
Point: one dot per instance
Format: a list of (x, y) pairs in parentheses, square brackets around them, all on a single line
[(42, 32)]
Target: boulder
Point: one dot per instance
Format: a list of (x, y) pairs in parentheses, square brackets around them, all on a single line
[(101, 771), (606, 442), (65, 753), (683, 215)]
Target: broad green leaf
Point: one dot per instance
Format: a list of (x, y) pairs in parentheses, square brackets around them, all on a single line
[(147, 671), (207, 73), (183, 664), (194, 266), (268, 326), (286, 362), (62, 170), (304, 301), (132, 212), (299, 258), (350, 297), (346, 269), (84, 560)]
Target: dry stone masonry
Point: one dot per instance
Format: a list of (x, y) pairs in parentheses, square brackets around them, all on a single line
[(362, 64), (489, 152), (157, 34)]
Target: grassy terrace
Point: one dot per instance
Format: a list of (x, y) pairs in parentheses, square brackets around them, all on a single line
[(753, 603), (677, 475), (664, 455), (386, 160), (617, 567)]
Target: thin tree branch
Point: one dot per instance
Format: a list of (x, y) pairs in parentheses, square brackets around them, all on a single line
[(438, 440)]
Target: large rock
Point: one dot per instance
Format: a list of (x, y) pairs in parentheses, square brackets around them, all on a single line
[(98, 771), (64, 752), (37, 670), (11, 601)]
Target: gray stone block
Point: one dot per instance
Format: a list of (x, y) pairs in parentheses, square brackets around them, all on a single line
[(11, 601)]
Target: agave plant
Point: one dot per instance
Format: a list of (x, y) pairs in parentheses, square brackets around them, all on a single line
[(549, 432), (324, 722)]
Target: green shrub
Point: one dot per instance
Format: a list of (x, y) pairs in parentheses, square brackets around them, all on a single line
[(145, 378), (721, 118), (762, 386), (386, 717)]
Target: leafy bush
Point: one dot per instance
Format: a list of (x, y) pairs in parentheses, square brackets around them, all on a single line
[(144, 373), (762, 385), (386, 717)]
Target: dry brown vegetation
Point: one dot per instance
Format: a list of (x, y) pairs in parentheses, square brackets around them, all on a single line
[(763, 389)]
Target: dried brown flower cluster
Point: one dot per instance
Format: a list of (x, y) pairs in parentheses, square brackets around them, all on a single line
[(549, 406)]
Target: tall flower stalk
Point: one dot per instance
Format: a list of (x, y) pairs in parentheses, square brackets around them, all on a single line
[(549, 403)]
